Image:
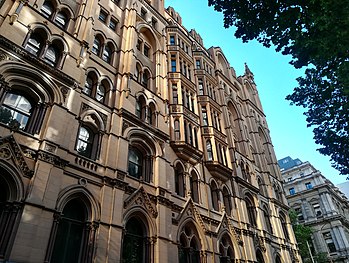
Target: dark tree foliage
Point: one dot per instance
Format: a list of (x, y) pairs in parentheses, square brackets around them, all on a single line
[(316, 34)]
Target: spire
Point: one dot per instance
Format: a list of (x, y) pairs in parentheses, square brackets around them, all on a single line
[(248, 72)]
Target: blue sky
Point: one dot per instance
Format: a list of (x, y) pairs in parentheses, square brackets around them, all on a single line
[(274, 76)]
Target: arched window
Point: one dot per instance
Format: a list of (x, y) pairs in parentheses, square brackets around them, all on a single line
[(284, 225), (135, 247), (196, 138), (151, 114), (267, 219), (97, 45), (179, 180), (62, 19), (186, 131), (47, 9), (89, 84), (177, 130), (86, 142), (214, 196), (100, 93), (189, 245), (194, 187), (69, 241), (209, 150), (140, 107), (51, 56), (251, 210), (107, 53), (53, 53), (36, 42), (261, 186), (16, 110), (140, 163), (145, 79), (190, 131), (259, 256), (138, 73), (135, 163), (226, 250), (227, 200)]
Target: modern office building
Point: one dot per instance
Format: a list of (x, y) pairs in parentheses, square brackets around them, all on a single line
[(320, 205), (123, 139)]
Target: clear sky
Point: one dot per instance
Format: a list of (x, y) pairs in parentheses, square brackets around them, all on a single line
[(274, 76)]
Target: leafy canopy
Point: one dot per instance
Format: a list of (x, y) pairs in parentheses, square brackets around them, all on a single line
[(316, 34)]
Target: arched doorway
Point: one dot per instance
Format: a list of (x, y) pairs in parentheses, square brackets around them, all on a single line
[(10, 210), (226, 250), (135, 247), (189, 245), (69, 242)]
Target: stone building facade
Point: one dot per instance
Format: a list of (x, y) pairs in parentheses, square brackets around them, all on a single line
[(320, 205), (123, 139)]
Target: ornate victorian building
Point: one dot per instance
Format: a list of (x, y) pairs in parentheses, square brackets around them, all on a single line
[(320, 205), (123, 139)]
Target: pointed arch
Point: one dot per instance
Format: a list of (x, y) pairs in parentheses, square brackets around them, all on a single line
[(179, 178)]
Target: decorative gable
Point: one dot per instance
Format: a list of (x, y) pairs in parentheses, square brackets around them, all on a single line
[(11, 152), (226, 224), (141, 198), (190, 210)]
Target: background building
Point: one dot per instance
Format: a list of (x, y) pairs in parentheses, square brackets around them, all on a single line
[(124, 140), (344, 188), (320, 205)]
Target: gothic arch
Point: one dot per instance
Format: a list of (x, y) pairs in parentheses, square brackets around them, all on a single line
[(93, 118), (71, 192), (150, 34), (225, 234), (143, 215), (10, 176), (138, 135), (198, 231), (17, 74)]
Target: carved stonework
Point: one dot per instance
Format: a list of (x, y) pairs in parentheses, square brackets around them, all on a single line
[(190, 210), (65, 92), (125, 125), (50, 148), (52, 159), (141, 198), (5, 153), (259, 242), (3, 56), (10, 149)]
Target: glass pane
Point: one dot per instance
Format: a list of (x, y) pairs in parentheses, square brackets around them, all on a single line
[(34, 44), (100, 93), (61, 19), (47, 9), (51, 56), (88, 86), (96, 46), (107, 54), (84, 143)]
